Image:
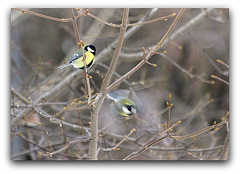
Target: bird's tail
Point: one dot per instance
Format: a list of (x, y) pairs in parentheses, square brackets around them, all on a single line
[(63, 66)]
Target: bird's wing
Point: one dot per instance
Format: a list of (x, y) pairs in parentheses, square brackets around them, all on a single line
[(75, 56), (118, 93)]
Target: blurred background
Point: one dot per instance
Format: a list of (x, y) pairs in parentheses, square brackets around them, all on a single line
[(40, 45)]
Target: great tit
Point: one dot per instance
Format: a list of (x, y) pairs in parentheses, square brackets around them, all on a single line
[(77, 58), (122, 104)]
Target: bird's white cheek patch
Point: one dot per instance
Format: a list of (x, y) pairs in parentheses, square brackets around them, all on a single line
[(125, 110), (89, 49)]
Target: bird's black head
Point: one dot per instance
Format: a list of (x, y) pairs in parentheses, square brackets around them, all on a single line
[(129, 109), (90, 48)]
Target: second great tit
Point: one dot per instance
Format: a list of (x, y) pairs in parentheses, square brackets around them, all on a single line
[(122, 104), (77, 58)]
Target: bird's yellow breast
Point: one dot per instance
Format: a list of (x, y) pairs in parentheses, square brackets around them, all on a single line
[(90, 59)]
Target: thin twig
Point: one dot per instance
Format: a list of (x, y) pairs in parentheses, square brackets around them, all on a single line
[(153, 20), (223, 63), (225, 152), (124, 139), (218, 78), (102, 21), (29, 141), (74, 22), (50, 154), (199, 77), (46, 16), (85, 74), (215, 126), (187, 149), (169, 106)]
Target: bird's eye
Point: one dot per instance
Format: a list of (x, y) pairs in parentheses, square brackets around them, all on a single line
[(129, 108)]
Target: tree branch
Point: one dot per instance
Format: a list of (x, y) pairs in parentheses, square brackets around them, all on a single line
[(46, 16), (94, 116)]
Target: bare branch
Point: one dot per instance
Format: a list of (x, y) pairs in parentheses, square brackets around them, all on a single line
[(218, 78), (187, 72), (46, 16), (153, 20), (103, 21), (124, 139), (50, 154), (94, 116), (214, 126)]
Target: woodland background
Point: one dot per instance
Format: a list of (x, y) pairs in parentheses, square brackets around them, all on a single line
[(49, 111)]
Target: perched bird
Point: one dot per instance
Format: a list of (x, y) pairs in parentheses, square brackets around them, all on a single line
[(77, 58), (122, 104)]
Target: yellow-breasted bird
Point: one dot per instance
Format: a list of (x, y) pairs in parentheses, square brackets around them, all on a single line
[(123, 105), (77, 58)]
